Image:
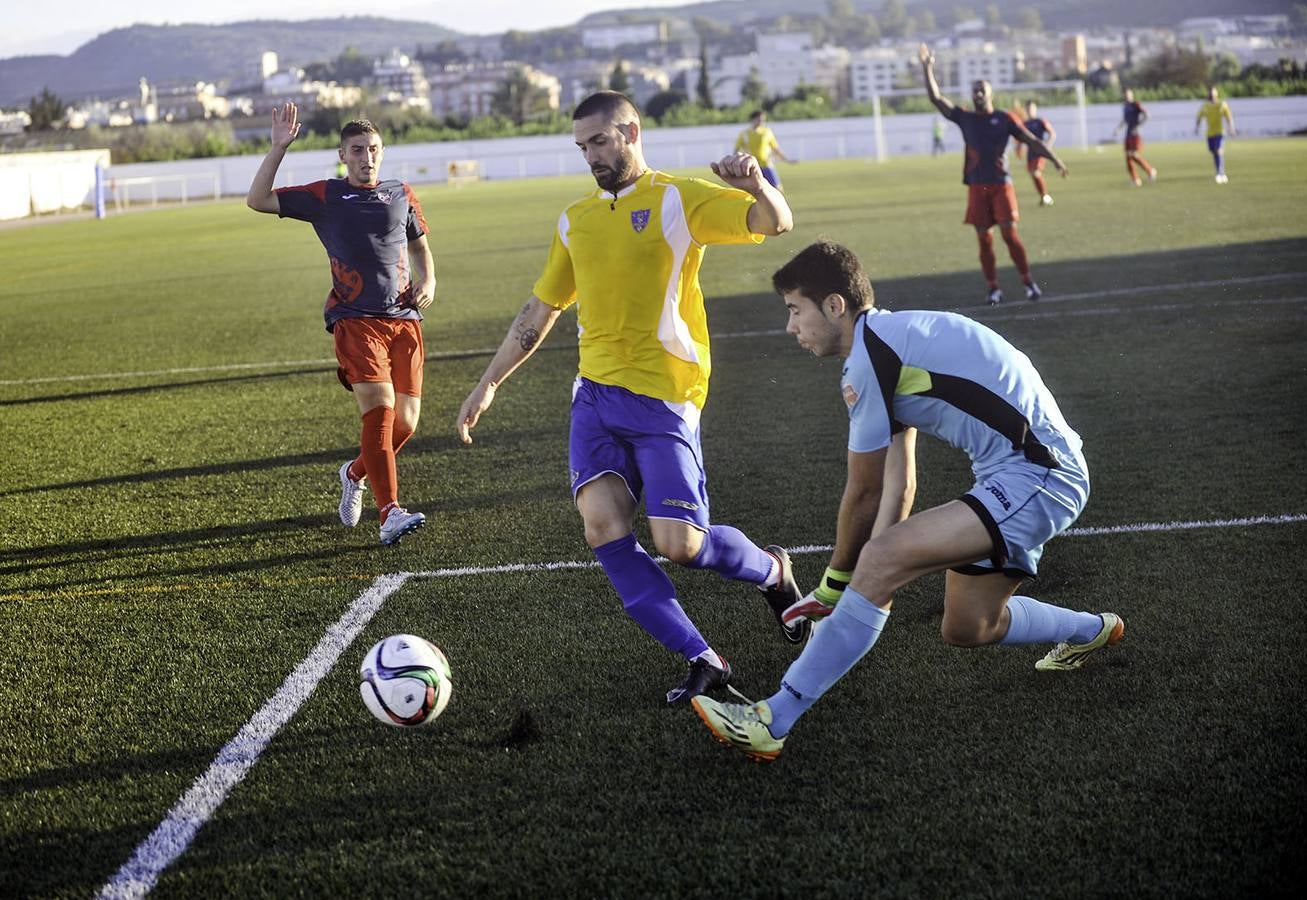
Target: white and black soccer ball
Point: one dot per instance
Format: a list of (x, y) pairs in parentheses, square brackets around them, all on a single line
[(405, 681)]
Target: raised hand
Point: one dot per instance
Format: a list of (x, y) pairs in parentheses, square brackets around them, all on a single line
[(739, 170), (285, 125)]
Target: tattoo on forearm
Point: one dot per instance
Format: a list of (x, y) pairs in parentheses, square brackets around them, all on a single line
[(527, 336)]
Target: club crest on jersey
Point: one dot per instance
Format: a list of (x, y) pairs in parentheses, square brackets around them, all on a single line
[(639, 219), (385, 197), (850, 395)]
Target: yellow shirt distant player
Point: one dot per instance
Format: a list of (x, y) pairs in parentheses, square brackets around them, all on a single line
[(1216, 112), (760, 143)]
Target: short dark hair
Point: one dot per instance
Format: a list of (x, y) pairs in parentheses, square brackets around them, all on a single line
[(825, 268), (613, 104), (356, 127), (756, 113)]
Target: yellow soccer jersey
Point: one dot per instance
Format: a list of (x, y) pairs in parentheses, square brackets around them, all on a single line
[(1214, 113), (631, 264), (760, 142)]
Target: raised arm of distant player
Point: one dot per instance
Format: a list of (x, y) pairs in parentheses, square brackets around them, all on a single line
[(285, 128), (524, 336), (771, 215), (932, 88)]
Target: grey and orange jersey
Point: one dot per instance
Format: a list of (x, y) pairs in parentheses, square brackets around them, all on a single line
[(365, 231), (956, 380)]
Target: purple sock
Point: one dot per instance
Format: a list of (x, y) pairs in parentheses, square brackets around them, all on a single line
[(729, 553), (649, 597)]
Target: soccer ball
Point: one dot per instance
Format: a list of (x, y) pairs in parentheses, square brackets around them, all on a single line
[(405, 681)]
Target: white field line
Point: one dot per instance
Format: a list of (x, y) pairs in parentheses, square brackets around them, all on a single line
[(170, 840), (197, 805), (460, 354)]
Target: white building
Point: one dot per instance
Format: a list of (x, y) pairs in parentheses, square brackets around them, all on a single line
[(880, 69), (782, 62), (402, 79), (469, 90), (610, 37), (263, 65), (988, 63), (14, 122)]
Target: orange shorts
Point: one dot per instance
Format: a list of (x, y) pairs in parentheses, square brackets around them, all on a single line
[(1035, 163), (990, 204), (1133, 142), (380, 350)]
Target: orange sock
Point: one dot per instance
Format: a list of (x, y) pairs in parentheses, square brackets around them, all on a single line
[(988, 264), (379, 455), (1017, 251), (399, 437)]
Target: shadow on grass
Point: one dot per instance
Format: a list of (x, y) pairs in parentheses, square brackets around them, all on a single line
[(30, 560)]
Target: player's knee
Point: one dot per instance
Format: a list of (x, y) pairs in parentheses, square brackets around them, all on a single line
[(959, 632), (681, 547), (600, 532)]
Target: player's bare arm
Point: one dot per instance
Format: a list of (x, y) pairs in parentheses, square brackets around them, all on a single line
[(899, 490), (524, 336), (858, 507), (424, 272), (927, 60), (1043, 148), (285, 128), (771, 215)]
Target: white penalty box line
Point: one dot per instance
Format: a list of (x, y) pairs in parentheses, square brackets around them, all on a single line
[(175, 833), (466, 354)]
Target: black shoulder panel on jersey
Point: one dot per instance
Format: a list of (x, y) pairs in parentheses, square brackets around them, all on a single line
[(983, 404), (887, 365)]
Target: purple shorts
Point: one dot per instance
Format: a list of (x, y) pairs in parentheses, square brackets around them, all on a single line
[(643, 441), (772, 176), (1214, 143)]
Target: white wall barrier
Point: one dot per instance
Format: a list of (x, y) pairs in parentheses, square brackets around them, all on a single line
[(665, 148), (36, 183)]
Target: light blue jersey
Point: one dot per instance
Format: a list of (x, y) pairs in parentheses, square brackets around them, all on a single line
[(956, 380)]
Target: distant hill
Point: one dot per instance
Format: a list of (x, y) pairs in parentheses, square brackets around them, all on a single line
[(113, 63), (1056, 14)]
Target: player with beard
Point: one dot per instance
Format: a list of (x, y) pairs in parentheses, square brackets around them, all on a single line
[(628, 255), (991, 199)]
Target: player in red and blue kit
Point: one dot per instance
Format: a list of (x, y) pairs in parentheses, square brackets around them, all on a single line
[(1133, 115), (992, 199), (382, 278), (1042, 129)]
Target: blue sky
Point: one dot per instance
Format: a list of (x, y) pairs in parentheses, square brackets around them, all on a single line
[(61, 28)]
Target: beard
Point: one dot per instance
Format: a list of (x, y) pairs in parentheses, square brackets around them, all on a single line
[(612, 179)]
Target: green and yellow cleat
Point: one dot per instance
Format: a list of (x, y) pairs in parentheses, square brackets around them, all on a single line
[(1066, 656), (743, 726)]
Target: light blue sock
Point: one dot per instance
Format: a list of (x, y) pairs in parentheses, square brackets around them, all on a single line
[(840, 641), (1034, 622)]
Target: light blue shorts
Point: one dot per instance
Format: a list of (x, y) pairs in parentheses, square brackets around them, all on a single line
[(1024, 505)]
